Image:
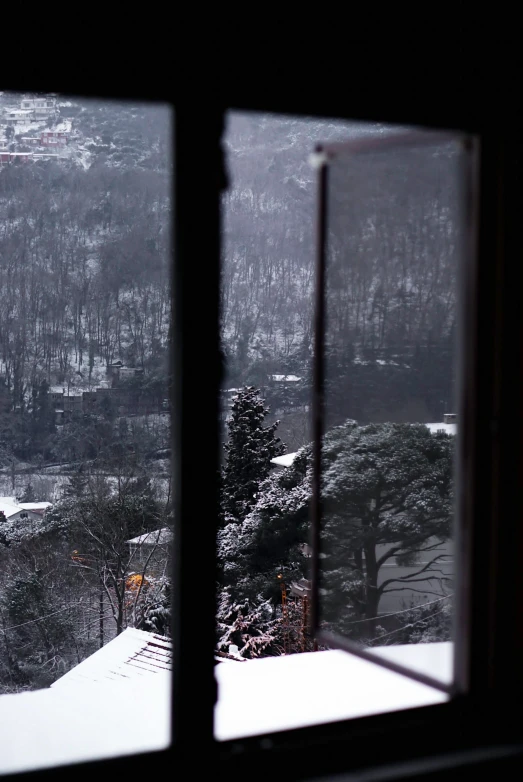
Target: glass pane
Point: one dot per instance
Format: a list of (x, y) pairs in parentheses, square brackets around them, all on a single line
[(85, 486), (396, 232), (264, 651)]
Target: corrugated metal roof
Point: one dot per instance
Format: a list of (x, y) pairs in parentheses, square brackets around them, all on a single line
[(159, 536), (133, 653)]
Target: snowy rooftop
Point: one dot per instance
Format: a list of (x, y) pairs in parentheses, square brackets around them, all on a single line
[(152, 538), (71, 722), (71, 390), (9, 506), (131, 655), (284, 461), (36, 506), (285, 378)]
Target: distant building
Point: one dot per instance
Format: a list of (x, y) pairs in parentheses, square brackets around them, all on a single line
[(35, 507), (14, 157), (40, 108), (123, 400), (54, 138), (12, 116), (448, 425), (117, 370), (151, 548), (284, 378), (14, 510)]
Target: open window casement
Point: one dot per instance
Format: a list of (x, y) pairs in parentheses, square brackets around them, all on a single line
[(394, 210)]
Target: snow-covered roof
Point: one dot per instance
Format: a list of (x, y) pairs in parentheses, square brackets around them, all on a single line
[(36, 506), (152, 538), (284, 461), (9, 506), (285, 378), (61, 725), (124, 716), (68, 391), (133, 653), (18, 112), (448, 428)]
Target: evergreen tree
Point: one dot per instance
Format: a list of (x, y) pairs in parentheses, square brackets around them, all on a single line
[(387, 493), (269, 541), (36, 645), (249, 451), (76, 485)]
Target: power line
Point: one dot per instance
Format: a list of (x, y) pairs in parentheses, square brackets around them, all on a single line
[(410, 624), (397, 613), (41, 619)]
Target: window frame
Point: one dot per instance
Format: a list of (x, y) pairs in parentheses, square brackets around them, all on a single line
[(490, 482), (324, 156)]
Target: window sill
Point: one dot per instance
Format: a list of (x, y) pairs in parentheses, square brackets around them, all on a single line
[(104, 719), (283, 693)]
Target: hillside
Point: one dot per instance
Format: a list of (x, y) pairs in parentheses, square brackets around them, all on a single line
[(84, 262)]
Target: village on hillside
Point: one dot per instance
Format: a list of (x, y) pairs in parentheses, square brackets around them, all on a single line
[(33, 130)]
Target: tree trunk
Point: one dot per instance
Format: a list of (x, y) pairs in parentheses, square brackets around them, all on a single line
[(372, 594)]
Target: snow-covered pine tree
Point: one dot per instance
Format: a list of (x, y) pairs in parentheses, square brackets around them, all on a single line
[(387, 493), (254, 628), (249, 451)]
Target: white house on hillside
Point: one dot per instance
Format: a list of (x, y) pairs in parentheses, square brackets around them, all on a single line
[(14, 510)]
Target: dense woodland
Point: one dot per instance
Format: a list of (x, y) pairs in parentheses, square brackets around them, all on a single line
[(85, 247), (393, 252)]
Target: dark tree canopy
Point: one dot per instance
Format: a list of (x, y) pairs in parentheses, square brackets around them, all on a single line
[(387, 492), (249, 449)]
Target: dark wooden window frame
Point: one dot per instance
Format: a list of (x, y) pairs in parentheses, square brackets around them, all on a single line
[(488, 716)]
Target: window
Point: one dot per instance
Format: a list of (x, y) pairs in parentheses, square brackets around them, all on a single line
[(267, 313), (342, 747)]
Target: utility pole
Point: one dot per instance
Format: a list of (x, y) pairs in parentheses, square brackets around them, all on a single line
[(101, 618), (285, 614), (303, 591)]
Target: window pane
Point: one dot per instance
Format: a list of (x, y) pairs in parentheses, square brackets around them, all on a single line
[(85, 478), (271, 675), (395, 238)]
